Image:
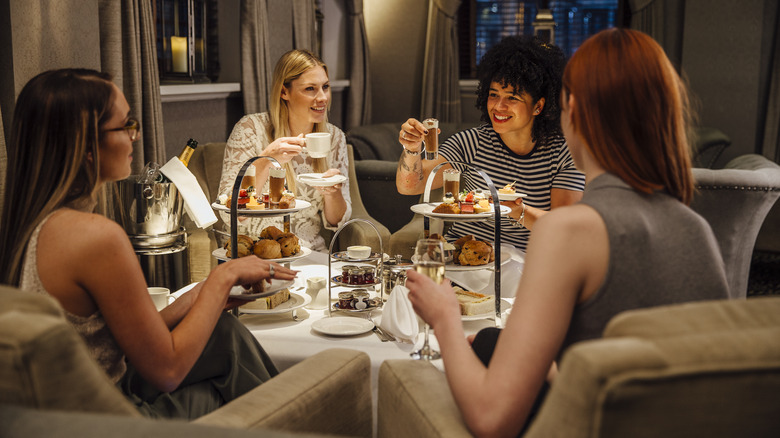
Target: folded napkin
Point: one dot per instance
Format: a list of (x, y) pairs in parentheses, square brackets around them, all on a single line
[(195, 202), (398, 317)]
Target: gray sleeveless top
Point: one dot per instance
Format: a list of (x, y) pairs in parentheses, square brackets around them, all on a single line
[(100, 342), (660, 252)]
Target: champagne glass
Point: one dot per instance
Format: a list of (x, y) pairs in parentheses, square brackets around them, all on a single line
[(429, 261)]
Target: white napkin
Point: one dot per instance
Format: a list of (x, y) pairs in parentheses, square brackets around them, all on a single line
[(195, 202), (398, 316)]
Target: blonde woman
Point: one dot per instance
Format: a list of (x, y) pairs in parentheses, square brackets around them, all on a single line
[(298, 105)]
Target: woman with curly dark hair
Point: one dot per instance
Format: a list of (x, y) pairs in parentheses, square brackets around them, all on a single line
[(519, 142)]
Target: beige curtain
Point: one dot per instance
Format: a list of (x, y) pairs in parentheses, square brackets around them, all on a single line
[(663, 20), (128, 51), (359, 94), (440, 88), (256, 64)]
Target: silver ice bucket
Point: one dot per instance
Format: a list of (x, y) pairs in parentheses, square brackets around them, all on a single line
[(148, 209)]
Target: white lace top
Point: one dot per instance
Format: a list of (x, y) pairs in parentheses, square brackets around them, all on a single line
[(248, 139)]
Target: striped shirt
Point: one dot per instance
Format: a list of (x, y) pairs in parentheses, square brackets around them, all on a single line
[(549, 165)]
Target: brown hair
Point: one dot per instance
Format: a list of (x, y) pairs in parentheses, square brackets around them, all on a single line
[(632, 111), (56, 125)]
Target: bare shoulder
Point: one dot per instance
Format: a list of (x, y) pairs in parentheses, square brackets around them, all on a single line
[(75, 229), (576, 219)]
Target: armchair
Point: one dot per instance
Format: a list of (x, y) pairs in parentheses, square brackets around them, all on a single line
[(698, 369), (735, 200), (45, 368)]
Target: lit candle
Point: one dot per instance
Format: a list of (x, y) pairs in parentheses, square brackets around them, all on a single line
[(179, 53)]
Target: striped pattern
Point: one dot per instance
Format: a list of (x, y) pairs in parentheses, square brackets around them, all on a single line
[(548, 166)]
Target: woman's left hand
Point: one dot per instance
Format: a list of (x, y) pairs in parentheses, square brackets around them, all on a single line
[(330, 190)]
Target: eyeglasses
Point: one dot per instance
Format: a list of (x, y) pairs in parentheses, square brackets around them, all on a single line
[(133, 127)]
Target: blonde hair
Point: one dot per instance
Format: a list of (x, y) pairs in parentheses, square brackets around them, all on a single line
[(289, 68)]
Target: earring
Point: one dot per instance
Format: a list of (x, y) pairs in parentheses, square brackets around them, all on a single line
[(537, 111)]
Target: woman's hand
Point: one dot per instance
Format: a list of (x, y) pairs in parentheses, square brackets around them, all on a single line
[(284, 149), (435, 303), (330, 190), (251, 272), (516, 206), (411, 135)]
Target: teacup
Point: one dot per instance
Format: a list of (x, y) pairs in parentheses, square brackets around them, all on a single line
[(318, 144), (161, 296)]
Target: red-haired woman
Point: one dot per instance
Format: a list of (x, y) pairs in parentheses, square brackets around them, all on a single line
[(631, 242)]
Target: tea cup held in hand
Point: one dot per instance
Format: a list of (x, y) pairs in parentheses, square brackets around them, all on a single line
[(160, 296), (318, 144)]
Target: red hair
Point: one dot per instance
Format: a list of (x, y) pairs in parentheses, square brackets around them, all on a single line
[(632, 111)]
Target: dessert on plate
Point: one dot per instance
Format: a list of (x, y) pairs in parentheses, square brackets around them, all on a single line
[(272, 244), (474, 303)]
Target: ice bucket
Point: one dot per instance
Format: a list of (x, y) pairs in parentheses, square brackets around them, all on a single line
[(147, 209)]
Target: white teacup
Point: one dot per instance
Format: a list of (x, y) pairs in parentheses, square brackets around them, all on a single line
[(161, 296), (318, 144)]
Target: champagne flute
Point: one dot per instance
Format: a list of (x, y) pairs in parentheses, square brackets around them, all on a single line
[(429, 261)]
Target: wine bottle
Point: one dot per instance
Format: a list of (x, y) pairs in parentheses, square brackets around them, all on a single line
[(186, 153)]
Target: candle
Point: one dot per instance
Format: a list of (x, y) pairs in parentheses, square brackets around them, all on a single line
[(179, 54)]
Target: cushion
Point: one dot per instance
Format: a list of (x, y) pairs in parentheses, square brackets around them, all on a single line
[(44, 363)]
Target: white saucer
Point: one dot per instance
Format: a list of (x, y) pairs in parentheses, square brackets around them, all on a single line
[(511, 196), (342, 326), (316, 179)]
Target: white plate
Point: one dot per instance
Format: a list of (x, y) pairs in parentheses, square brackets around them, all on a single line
[(342, 256), (452, 267), (342, 326), (296, 301), (299, 205), (221, 254), (510, 196), (504, 307), (427, 210), (316, 180), (238, 292)]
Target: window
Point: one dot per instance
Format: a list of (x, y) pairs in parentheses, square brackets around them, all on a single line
[(482, 23)]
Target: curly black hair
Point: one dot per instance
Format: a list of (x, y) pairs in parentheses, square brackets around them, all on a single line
[(529, 65)]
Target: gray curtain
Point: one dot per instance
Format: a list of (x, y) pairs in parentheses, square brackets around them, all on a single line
[(771, 145), (304, 26), (440, 88), (359, 94), (3, 164), (663, 20), (256, 64), (128, 51)]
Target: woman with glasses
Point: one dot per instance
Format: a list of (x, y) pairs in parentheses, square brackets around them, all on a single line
[(72, 133), (632, 242)]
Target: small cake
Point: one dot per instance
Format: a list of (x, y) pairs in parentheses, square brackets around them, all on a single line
[(254, 205), (268, 249), (473, 303), (245, 246), (287, 200), (268, 303), (508, 189), (448, 205), (483, 206)]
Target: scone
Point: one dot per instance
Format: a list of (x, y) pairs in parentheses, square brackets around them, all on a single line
[(245, 246), (268, 249), (474, 253), (271, 233), (289, 244)]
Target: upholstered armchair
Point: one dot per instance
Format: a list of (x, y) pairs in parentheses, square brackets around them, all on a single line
[(699, 369), (47, 376), (735, 200)]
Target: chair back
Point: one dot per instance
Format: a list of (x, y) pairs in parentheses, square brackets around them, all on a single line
[(44, 363), (735, 200), (708, 368)]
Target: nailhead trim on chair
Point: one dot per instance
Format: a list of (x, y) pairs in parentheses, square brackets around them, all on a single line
[(762, 189)]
